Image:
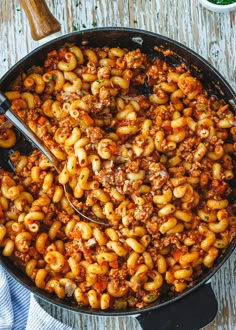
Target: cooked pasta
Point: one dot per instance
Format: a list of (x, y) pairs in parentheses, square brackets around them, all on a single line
[(157, 167)]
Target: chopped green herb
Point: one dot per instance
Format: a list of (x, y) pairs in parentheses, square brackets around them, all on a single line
[(84, 26), (82, 176), (146, 139), (4, 60), (96, 7), (151, 297), (54, 78), (18, 9), (20, 31), (135, 21), (77, 3), (75, 28), (98, 82), (222, 2), (77, 57), (94, 24), (83, 93), (157, 140), (206, 217)]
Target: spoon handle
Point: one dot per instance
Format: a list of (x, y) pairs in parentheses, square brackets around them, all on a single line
[(42, 22), (5, 108)]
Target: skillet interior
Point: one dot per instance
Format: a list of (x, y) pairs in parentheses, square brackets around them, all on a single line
[(131, 39)]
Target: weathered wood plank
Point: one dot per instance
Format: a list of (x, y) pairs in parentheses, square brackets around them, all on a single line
[(210, 34)]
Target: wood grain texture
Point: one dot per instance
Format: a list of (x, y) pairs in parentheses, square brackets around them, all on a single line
[(212, 35)]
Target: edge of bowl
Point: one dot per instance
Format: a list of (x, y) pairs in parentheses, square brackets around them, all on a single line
[(218, 8)]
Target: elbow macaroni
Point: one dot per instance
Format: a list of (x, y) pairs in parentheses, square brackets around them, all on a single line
[(158, 168)]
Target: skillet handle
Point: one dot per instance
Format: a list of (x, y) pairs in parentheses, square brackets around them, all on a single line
[(42, 22), (194, 311)]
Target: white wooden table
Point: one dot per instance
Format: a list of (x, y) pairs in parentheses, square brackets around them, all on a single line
[(210, 34)]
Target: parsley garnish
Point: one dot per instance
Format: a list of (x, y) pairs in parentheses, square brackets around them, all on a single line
[(96, 7), (75, 28), (4, 60), (84, 26), (152, 296), (206, 217), (135, 21), (77, 3), (54, 78), (20, 31), (82, 176), (94, 24), (18, 9)]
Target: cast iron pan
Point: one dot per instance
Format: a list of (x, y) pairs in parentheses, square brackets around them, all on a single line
[(197, 306)]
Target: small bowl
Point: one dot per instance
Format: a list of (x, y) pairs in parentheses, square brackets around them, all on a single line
[(218, 8)]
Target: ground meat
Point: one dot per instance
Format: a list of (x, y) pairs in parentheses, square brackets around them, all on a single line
[(71, 248), (119, 176), (171, 240), (104, 96), (118, 275), (130, 187), (152, 227), (218, 188), (106, 177), (95, 134), (189, 84), (133, 166), (157, 175), (143, 212), (104, 73), (22, 258), (134, 59)]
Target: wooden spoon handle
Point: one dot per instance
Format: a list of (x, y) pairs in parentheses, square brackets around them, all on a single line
[(42, 22)]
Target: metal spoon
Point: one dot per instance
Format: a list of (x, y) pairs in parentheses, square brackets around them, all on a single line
[(5, 109)]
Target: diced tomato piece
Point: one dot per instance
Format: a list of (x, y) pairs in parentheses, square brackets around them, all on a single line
[(76, 234), (53, 53), (87, 119), (131, 206), (1, 212), (101, 285), (177, 254), (62, 52), (114, 264), (42, 120)]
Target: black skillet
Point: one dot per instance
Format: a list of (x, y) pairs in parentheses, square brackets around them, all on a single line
[(197, 306)]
